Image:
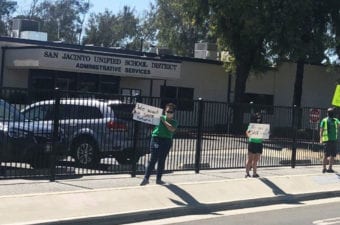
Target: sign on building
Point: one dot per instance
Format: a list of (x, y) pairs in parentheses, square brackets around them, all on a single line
[(257, 130), (89, 62), (147, 114)]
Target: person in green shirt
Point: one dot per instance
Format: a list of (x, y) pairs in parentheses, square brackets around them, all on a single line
[(161, 142), (328, 136), (255, 147)]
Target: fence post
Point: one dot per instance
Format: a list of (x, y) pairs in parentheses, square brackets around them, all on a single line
[(135, 142), (293, 159), (199, 135), (53, 157)]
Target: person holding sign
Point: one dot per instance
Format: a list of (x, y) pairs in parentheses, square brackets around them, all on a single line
[(161, 142), (328, 136), (254, 147)]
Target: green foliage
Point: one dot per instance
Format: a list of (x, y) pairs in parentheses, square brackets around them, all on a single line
[(301, 30), (62, 20), (181, 25), (6, 9), (109, 30)]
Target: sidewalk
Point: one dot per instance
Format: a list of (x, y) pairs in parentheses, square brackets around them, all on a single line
[(120, 199)]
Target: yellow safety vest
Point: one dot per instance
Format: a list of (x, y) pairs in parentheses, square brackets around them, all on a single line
[(325, 129)]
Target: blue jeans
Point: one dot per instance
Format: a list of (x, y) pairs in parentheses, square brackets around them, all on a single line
[(159, 148)]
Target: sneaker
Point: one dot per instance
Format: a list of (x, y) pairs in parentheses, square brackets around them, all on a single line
[(324, 170), (247, 175), (330, 171), (256, 175), (160, 182), (144, 182)]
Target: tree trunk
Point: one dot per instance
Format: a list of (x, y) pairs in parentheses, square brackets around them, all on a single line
[(298, 89), (242, 72)]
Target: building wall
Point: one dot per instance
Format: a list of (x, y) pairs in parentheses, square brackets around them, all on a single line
[(209, 81), (318, 85)]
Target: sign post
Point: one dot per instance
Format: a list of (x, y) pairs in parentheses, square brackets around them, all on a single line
[(314, 115), (314, 119)]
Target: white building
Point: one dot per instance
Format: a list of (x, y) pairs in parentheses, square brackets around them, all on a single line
[(44, 65)]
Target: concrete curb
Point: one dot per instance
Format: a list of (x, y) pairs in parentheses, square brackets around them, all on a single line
[(194, 209)]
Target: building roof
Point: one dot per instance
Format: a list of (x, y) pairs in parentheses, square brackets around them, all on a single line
[(23, 42)]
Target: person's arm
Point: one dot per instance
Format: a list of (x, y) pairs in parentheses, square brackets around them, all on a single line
[(168, 125), (321, 131)]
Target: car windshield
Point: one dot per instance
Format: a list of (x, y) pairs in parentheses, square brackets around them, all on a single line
[(9, 112)]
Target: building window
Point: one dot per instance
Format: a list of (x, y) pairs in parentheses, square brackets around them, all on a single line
[(262, 102), (131, 92), (182, 97), (128, 93)]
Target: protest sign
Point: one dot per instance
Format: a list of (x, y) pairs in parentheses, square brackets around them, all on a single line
[(257, 130), (147, 114), (336, 96)]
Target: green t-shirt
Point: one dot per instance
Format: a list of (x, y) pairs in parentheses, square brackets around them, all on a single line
[(161, 131), (332, 126), (255, 140)]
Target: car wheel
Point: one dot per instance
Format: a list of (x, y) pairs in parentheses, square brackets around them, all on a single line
[(85, 152), (126, 157)]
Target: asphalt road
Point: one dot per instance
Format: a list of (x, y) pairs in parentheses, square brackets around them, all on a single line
[(314, 213)]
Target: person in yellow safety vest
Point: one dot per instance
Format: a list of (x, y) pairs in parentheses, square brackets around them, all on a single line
[(328, 136)]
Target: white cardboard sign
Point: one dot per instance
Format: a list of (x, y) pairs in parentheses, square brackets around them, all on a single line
[(257, 130), (147, 114)]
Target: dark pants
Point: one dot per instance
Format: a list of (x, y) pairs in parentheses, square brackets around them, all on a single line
[(330, 148), (160, 148)]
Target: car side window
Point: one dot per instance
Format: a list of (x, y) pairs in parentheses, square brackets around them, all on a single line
[(89, 112), (68, 112), (79, 112), (9, 113), (37, 112)]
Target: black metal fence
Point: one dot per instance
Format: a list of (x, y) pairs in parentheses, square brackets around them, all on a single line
[(57, 133)]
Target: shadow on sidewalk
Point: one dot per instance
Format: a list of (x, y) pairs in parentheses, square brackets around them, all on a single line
[(191, 206), (279, 192)]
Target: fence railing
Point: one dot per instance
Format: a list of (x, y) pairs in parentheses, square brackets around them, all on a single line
[(57, 133)]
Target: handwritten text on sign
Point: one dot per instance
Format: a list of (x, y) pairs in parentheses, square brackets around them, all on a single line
[(147, 114), (257, 130)]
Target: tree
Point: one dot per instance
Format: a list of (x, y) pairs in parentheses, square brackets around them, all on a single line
[(301, 37), (109, 30), (261, 33), (178, 28), (146, 31), (334, 6), (6, 9), (62, 20), (241, 27)]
